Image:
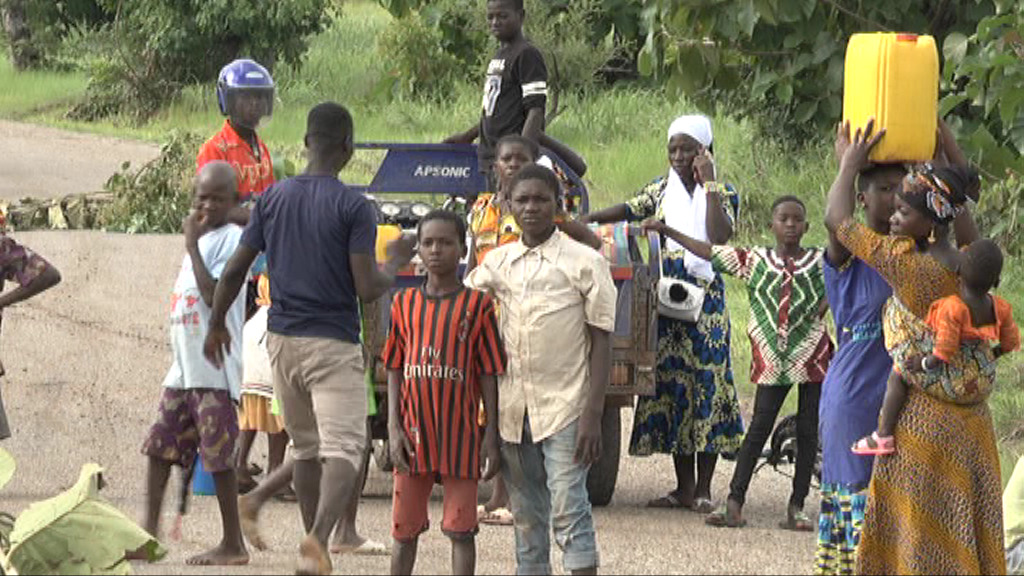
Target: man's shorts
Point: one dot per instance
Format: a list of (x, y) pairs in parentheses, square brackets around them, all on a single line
[(320, 386), (190, 420), (412, 495)]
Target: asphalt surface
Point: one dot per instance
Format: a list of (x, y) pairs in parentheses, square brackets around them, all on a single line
[(85, 362), (43, 162)]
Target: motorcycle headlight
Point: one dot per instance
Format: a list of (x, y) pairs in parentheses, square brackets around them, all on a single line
[(420, 209), (390, 209)]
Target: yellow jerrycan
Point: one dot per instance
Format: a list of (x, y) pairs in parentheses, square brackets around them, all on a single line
[(893, 78), (385, 234)]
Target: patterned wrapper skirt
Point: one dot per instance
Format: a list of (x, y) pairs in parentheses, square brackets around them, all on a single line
[(967, 379), (839, 524), (935, 506), (694, 408)]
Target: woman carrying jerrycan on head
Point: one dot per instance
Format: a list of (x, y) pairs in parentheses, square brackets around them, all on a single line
[(941, 490)]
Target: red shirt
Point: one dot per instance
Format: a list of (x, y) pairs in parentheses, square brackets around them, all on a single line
[(442, 346), (255, 171)]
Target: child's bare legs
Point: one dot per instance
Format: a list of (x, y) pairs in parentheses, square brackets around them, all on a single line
[(277, 445), (157, 474), (231, 551), (403, 556), (156, 484), (245, 442), (895, 397), (499, 495), (346, 537), (345, 534), (250, 504), (464, 555), (881, 442)]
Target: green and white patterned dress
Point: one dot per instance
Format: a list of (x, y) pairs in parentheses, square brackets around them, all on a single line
[(789, 343)]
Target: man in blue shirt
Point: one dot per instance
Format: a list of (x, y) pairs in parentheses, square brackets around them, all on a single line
[(319, 238)]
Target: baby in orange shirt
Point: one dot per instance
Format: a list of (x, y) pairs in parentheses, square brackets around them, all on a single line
[(961, 367)]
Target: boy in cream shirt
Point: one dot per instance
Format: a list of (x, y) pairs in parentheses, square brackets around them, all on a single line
[(558, 310)]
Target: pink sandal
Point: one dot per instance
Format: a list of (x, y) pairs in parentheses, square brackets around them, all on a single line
[(883, 445)]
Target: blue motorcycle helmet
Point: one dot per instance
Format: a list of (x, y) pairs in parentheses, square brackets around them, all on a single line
[(244, 78)]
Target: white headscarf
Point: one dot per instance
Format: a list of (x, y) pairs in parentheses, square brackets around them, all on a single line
[(683, 211), (695, 126)]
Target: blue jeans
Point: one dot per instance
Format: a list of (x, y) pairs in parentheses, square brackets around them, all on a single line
[(549, 490)]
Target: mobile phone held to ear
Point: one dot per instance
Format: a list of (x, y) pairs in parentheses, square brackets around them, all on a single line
[(703, 159)]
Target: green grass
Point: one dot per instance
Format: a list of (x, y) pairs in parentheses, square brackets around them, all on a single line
[(621, 133), (27, 92)]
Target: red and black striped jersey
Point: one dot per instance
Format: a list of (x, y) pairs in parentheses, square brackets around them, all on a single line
[(442, 346)]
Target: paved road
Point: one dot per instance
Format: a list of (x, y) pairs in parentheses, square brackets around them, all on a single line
[(85, 362), (44, 162)]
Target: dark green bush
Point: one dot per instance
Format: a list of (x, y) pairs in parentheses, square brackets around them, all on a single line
[(432, 46), (159, 46)]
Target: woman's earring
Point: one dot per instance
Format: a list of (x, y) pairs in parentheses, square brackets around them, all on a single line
[(931, 237)]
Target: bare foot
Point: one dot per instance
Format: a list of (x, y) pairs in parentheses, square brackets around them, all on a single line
[(341, 545), (313, 559), (493, 505), (222, 555), (248, 516), (359, 546)]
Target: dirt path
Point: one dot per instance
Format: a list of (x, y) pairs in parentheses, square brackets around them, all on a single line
[(45, 162), (85, 362)]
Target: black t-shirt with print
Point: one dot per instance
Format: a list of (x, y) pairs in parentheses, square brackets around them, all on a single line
[(517, 80)]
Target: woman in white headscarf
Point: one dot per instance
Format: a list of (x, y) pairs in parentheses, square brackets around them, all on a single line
[(694, 414)]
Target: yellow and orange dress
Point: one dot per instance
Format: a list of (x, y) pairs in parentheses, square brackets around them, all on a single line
[(934, 506), (491, 226)]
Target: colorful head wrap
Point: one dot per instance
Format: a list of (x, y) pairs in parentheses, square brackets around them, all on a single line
[(940, 193)]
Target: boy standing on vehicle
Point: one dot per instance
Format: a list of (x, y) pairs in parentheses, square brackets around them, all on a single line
[(319, 237), (516, 88), (443, 353), (557, 303), (197, 407)]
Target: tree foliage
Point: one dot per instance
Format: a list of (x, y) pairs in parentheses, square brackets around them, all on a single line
[(157, 46), (433, 44), (780, 61), (984, 79)]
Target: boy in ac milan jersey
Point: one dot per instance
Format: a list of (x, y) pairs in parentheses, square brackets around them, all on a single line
[(443, 353)]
